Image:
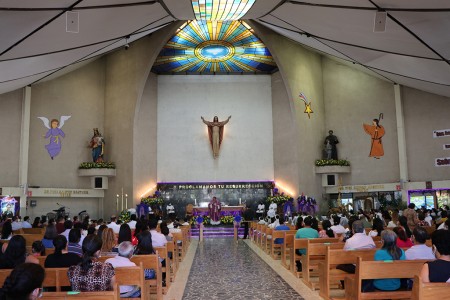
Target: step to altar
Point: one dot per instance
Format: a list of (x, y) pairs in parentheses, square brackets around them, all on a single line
[(216, 232)]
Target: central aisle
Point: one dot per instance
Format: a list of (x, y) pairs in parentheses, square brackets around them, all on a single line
[(224, 269)]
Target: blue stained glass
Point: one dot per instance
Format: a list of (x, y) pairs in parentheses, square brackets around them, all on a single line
[(220, 47)]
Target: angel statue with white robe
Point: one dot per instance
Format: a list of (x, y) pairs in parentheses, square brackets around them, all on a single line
[(55, 134)]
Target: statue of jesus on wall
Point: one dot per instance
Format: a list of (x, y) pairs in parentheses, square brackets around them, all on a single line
[(215, 132)]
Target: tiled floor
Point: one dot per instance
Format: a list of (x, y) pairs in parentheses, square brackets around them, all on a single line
[(243, 269)]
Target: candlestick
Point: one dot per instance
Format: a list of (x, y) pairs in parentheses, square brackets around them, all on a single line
[(195, 201), (126, 201), (240, 201), (117, 202)]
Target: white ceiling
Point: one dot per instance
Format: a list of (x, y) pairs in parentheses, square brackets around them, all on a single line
[(413, 51)]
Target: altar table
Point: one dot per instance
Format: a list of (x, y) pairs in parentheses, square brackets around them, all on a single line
[(225, 210)]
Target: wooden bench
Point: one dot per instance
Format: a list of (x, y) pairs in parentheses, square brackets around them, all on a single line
[(30, 238), (266, 238), (104, 295), (40, 231), (173, 249), (288, 240), (278, 234), (315, 253), (328, 274), (432, 290), (151, 261), (303, 244), (132, 276), (163, 254), (381, 270)]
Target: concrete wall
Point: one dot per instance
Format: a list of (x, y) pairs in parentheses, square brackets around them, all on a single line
[(301, 71), (11, 119), (184, 151), (127, 72), (424, 113), (351, 99)]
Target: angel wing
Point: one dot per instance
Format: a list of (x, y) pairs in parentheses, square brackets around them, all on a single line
[(45, 121), (62, 120)]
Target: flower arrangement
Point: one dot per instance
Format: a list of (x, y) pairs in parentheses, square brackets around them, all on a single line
[(125, 216), (278, 199), (227, 219), (153, 200), (332, 162), (99, 165), (206, 220)]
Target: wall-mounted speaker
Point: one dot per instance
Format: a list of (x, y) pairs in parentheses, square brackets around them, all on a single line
[(32, 203), (330, 179), (99, 182)]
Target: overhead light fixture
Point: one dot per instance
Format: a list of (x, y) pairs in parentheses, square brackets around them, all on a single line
[(127, 45), (220, 10)]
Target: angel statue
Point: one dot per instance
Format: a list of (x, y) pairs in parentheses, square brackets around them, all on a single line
[(54, 133)]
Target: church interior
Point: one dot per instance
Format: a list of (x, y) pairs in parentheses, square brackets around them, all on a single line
[(155, 107)]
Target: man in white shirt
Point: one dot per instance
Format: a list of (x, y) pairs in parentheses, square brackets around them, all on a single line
[(132, 222), (16, 224), (359, 240), (26, 222), (419, 250), (113, 225), (158, 239), (126, 250)]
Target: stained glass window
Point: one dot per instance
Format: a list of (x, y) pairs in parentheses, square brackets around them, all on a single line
[(214, 47), (221, 10)]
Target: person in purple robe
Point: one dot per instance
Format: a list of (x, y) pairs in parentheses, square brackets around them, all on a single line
[(55, 134), (214, 211)]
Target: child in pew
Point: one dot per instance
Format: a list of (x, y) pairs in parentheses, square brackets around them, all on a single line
[(24, 282), (125, 250), (438, 270)]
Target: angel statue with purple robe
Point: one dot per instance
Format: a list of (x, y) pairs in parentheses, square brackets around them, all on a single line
[(214, 211), (55, 134)]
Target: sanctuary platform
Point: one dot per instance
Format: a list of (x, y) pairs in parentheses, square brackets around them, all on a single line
[(219, 231)]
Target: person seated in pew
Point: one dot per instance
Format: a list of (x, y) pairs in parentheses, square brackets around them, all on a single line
[(108, 241), (90, 275), (145, 247), (74, 242), (348, 231), (24, 283), (403, 222), (419, 250), (305, 233), (274, 222), (7, 231), (37, 249), (326, 231), (282, 226), (166, 231), (377, 227), (124, 235), (389, 251), (125, 250), (61, 258), (337, 227), (438, 270), (315, 224), (50, 234), (16, 253), (402, 239)]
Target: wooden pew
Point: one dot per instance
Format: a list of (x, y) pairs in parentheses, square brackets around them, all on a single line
[(381, 270), (40, 231), (315, 253), (276, 234), (56, 277), (288, 239), (328, 274), (257, 233), (151, 262), (261, 235), (104, 295), (434, 290), (172, 248), (303, 244), (30, 238), (163, 254), (132, 276), (266, 239)]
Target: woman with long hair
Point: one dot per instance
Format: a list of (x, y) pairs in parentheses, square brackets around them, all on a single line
[(402, 239), (37, 223), (326, 231), (108, 240), (403, 221), (377, 227), (7, 230), (60, 258), (100, 230), (90, 274), (438, 270), (394, 219), (124, 234), (24, 283), (389, 251), (144, 245), (16, 253), (50, 234)]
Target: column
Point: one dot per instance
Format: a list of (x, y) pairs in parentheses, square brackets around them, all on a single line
[(402, 157), (24, 147)]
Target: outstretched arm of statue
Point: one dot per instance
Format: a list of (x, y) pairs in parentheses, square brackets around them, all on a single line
[(225, 122), (206, 122)]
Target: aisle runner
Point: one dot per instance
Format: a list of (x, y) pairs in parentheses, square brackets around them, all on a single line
[(223, 269)]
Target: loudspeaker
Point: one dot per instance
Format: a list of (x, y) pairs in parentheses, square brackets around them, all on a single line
[(329, 179), (32, 203), (99, 182), (380, 21)]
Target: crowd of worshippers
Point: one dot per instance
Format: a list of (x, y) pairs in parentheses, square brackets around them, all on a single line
[(77, 245), (403, 236)]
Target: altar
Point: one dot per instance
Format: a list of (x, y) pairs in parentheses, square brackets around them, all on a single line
[(225, 211)]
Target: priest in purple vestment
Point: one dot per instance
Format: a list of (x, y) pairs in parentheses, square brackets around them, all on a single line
[(214, 211)]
